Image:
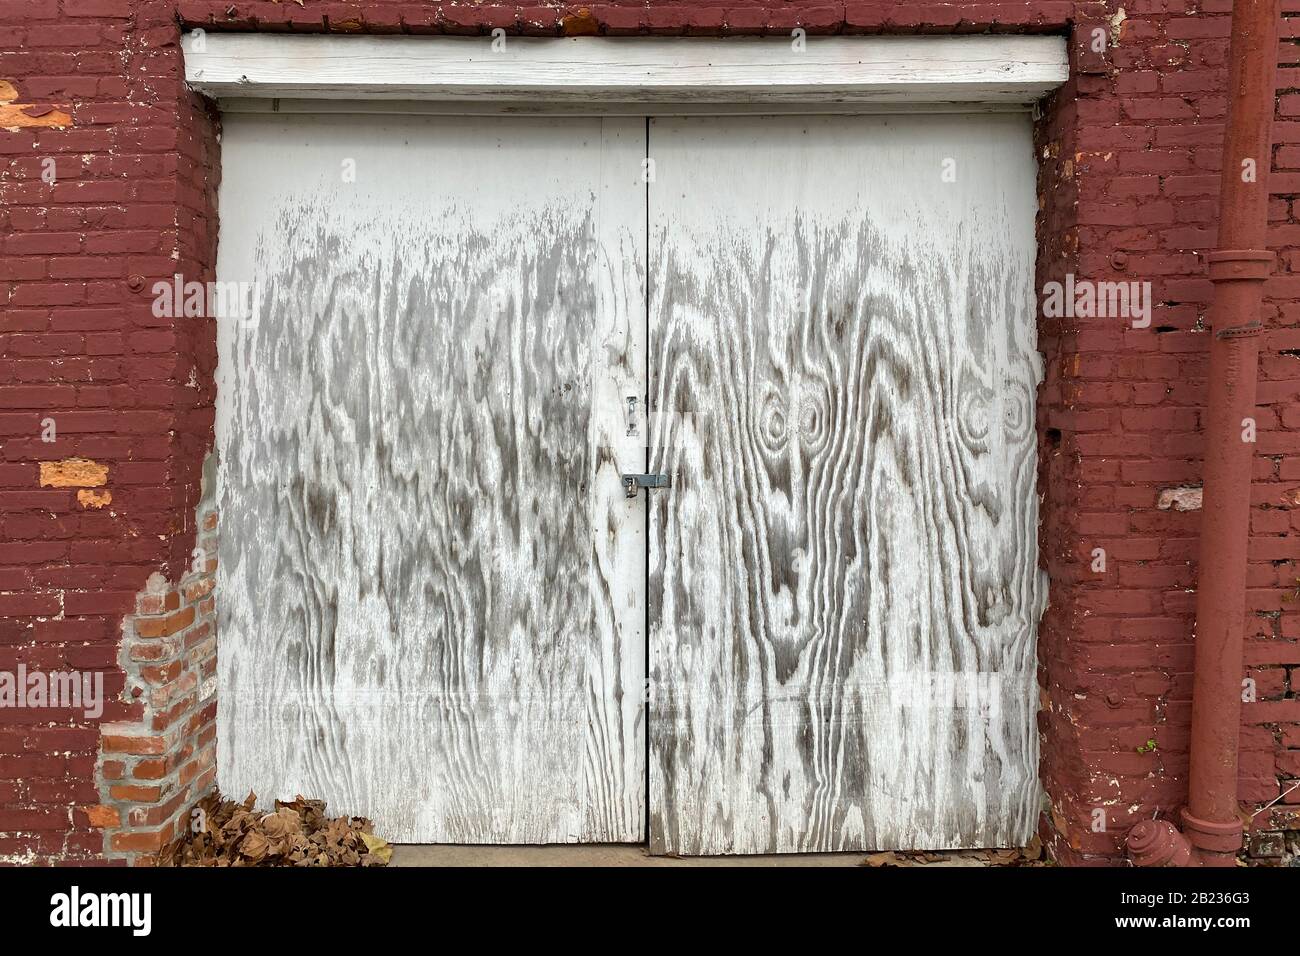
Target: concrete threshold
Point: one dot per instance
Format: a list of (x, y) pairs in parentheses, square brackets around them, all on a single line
[(617, 855)]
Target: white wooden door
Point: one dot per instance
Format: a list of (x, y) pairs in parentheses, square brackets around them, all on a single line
[(433, 590), (844, 586), (431, 583)]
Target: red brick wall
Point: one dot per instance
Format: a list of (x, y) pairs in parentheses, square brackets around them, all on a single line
[(1129, 180), (1129, 152)]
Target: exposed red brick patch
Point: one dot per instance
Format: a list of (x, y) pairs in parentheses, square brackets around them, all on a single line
[(579, 23), (14, 115), (73, 473), (169, 656), (102, 815)]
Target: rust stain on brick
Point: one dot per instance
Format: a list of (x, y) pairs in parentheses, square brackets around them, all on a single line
[(94, 499), (14, 115), (580, 23), (73, 473)]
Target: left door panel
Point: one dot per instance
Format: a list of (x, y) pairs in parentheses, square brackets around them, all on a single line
[(431, 585)]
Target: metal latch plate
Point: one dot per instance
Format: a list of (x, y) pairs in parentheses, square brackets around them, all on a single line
[(633, 482)]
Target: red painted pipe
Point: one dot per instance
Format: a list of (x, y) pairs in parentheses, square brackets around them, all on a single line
[(1212, 829)]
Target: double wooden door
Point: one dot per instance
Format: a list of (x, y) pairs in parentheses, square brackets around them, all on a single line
[(439, 607)]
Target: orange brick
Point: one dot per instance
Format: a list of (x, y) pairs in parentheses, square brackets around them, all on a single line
[(142, 840), (162, 673), (197, 634), (202, 761), (152, 816), (152, 769), (183, 753), (120, 743), (150, 651), (102, 815), (165, 718), (189, 772), (135, 792), (163, 696), (165, 626), (199, 720), (202, 652), (199, 589), (149, 604)]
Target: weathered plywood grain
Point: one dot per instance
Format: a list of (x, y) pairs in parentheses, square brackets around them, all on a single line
[(844, 587), (431, 585)]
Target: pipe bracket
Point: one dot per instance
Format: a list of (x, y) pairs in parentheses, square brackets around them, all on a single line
[(1246, 331)]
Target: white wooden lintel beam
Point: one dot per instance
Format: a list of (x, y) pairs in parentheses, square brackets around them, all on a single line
[(658, 70)]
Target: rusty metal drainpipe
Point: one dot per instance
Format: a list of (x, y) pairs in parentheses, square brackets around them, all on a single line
[(1212, 830)]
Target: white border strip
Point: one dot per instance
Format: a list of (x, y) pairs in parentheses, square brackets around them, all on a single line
[(657, 70)]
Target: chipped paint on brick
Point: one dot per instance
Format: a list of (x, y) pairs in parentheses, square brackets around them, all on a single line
[(94, 499), (1179, 499), (14, 115), (1117, 26), (580, 23), (73, 473)]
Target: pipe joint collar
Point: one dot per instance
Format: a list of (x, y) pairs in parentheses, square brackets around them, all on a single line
[(1250, 265), (1211, 836)]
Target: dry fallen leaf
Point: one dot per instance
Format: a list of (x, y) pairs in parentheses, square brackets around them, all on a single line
[(377, 849), (254, 846)]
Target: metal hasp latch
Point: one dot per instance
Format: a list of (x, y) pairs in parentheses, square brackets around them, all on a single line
[(633, 482)]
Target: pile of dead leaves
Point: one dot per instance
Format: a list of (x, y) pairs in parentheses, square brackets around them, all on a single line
[(297, 833)]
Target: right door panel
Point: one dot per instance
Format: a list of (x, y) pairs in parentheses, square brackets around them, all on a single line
[(844, 583)]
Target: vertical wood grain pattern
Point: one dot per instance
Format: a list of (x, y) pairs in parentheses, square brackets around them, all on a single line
[(431, 586), (844, 587)]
